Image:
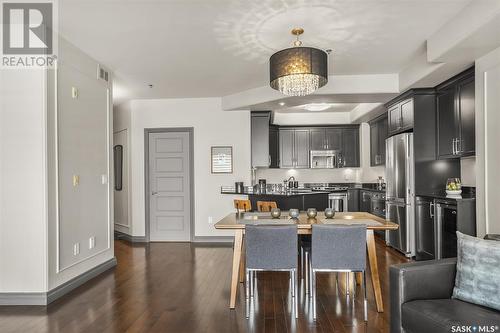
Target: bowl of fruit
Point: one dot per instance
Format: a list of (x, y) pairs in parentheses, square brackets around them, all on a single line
[(453, 186)]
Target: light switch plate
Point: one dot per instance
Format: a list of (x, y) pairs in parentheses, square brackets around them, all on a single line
[(92, 242), (74, 92), (104, 179), (76, 180)]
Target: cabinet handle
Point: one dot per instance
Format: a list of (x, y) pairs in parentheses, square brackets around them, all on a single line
[(453, 147), (459, 146), (431, 209), (269, 161)]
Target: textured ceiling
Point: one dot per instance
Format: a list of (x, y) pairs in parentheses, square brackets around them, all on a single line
[(214, 48)]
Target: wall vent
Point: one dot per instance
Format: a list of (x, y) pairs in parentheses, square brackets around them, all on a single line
[(102, 73)]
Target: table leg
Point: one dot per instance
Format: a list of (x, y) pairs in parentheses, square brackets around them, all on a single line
[(372, 256), (242, 262), (238, 240), (359, 278)]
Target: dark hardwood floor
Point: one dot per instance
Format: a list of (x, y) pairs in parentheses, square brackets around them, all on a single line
[(181, 287)]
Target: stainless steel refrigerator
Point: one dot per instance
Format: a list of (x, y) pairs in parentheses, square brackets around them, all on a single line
[(400, 192)]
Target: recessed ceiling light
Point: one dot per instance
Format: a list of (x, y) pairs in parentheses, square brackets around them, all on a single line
[(317, 106), (282, 103)]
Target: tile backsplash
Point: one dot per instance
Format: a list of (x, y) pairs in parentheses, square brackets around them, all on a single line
[(343, 175)]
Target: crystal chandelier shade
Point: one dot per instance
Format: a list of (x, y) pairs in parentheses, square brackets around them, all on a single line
[(298, 71)]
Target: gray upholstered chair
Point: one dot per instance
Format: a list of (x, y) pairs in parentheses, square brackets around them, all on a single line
[(271, 248), (338, 248)]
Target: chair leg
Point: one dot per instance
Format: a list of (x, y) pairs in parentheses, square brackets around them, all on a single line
[(247, 287), (252, 283), (309, 268), (365, 302), (347, 278), (306, 269), (313, 292), (302, 264), (296, 298)]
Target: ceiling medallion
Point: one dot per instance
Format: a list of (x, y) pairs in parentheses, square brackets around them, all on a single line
[(298, 71)]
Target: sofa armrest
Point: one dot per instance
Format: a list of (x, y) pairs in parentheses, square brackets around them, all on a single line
[(419, 280)]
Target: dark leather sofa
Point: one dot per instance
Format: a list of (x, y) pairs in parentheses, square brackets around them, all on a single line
[(421, 301)]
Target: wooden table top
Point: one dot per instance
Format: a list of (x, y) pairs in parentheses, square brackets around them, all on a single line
[(239, 220)]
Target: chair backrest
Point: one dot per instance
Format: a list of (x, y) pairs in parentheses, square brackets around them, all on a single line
[(266, 206), (243, 205), (338, 247), (271, 247)]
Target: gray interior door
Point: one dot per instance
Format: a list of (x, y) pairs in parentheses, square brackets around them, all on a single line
[(169, 186)]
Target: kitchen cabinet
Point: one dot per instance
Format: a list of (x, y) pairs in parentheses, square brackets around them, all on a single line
[(301, 148), (333, 138), (260, 138), (318, 139), (274, 146), (353, 200), (350, 147), (286, 138), (294, 148), (400, 116), (326, 138), (456, 116), (378, 135), (365, 201), (264, 141), (424, 237)]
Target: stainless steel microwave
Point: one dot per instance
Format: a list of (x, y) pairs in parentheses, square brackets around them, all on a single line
[(325, 159)]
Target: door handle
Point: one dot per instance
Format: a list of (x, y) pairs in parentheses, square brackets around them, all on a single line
[(269, 160), (154, 193)]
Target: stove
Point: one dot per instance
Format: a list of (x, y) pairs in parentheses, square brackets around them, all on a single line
[(330, 188)]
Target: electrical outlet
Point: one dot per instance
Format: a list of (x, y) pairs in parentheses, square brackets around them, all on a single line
[(92, 242), (76, 249), (210, 220)]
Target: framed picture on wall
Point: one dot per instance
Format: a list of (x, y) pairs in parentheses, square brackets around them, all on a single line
[(222, 159)]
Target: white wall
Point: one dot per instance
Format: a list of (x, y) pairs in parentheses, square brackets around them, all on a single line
[(364, 174), (83, 148), (212, 127), (487, 139), (121, 130), (35, 240), (468, 171), (23, 214)]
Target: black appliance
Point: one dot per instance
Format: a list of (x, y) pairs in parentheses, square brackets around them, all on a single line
[(437, 223), (446, 229)]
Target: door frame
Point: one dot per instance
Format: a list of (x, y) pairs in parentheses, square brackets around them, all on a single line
[(190, 131)]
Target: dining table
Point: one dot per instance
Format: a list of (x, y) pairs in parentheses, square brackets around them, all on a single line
[(238, 220)]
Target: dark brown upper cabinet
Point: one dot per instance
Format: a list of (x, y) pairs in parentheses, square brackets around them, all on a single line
[(378, 135), (400, 116), (350, 147), (294, 148), (456, 116), (326, 138)]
